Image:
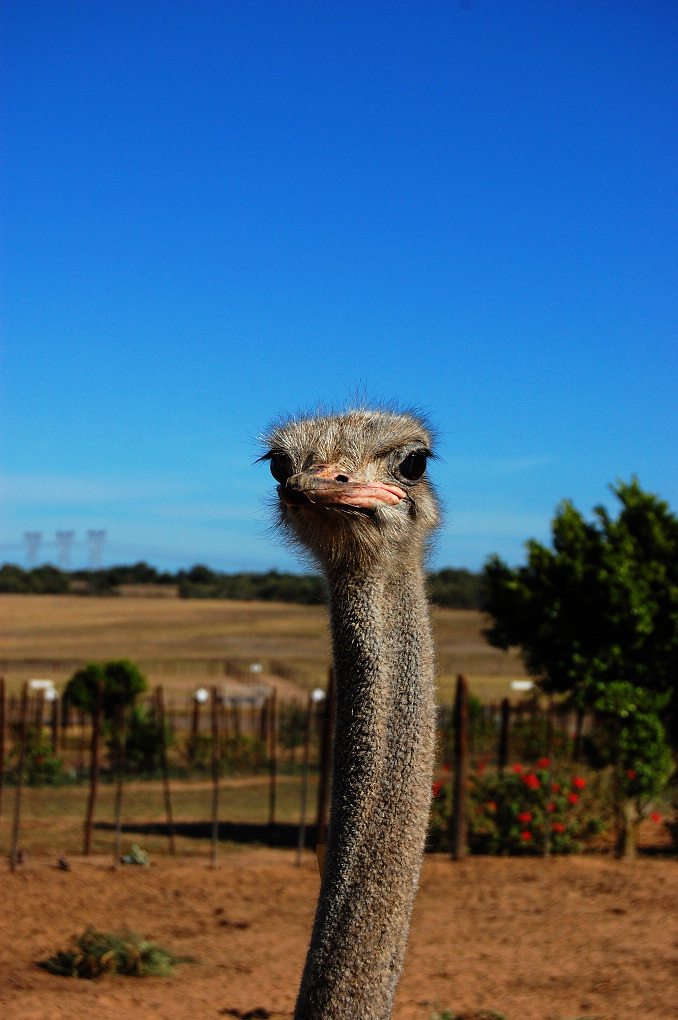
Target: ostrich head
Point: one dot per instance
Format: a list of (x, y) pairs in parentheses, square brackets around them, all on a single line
[(352, 487)]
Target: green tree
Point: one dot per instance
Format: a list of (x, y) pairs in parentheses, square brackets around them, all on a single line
[(122, 682), (601, 606)]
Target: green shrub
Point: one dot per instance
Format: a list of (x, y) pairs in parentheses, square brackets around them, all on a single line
[(41, 766), (239, 752), (95, 953), (145, 740), (292, 725)]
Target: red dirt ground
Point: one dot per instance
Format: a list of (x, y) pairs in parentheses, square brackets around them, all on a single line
[(533, 939)]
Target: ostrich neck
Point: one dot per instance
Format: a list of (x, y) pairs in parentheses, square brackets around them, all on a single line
[(381, 787)]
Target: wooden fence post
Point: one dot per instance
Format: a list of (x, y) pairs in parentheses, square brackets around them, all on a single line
[(14, 852), (273, 763), (54, 725), (93, 769), (165, 770), (215, 775), (195, 726), (460, 798), (304, 779), (2, 737), (39, 712), (326, 742), (504, 724), (120, 748), (550, 749), (579, 725)]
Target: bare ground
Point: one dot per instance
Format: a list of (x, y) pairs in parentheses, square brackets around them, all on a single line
[(533, 939)]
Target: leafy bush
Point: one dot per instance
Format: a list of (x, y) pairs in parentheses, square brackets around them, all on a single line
[(292, 725), (145, 740), (95, 953), (482, 731), (529, 737), (41, 765), (242, 752), (638, 733)]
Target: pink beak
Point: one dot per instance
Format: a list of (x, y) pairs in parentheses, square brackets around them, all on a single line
[(329, 484)]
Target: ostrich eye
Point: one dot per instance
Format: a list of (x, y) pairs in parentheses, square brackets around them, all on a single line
[(281, 467), (413, 467)]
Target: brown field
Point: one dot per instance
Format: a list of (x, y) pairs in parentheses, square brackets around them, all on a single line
[(184, 642), (531, 939)]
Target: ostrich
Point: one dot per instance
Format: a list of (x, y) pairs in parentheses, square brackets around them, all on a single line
[(352, 492)]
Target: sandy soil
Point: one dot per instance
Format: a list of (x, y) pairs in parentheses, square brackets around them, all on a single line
[(533, 939)]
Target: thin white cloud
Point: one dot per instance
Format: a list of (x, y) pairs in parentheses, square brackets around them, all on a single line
[(61, 489), (64, 490)]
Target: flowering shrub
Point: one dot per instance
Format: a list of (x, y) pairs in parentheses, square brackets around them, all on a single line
[(519, 811)]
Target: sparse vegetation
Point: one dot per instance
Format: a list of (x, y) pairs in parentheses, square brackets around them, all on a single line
[(41, 766), (94, 954)]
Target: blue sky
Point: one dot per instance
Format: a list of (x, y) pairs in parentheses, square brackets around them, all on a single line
[(217, 212)]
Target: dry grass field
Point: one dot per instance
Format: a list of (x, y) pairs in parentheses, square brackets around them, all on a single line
[(52, 817), (183, 642)]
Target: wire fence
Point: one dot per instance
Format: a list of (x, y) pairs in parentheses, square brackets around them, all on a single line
[(234, 731)]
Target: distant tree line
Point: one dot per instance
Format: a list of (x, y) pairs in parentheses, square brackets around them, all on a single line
[(456, 588)]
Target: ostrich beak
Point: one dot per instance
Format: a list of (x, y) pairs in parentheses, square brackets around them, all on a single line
[(331, 485)]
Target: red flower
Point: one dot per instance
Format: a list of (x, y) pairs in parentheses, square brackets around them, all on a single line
[(532, 781), (526, 836), (525, 816), (491, 806), (543, 763), (436, 788), (579, 782), (630, 773), (558, 827), (517, 769), (481, 767), (573, 797), (656, 817), (551, 807), (556, 787)]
